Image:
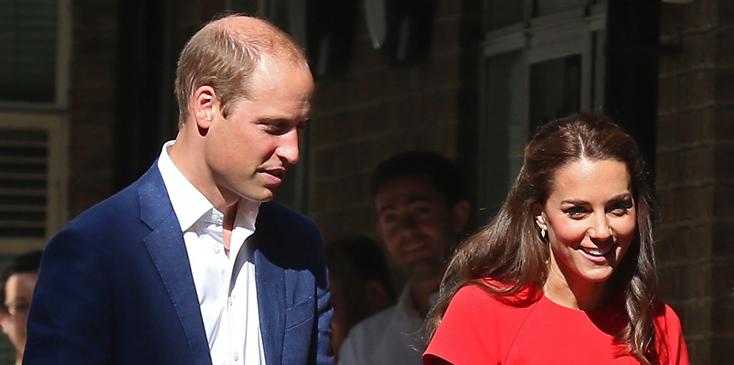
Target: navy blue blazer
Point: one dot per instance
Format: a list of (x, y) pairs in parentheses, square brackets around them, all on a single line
[(115, 287)]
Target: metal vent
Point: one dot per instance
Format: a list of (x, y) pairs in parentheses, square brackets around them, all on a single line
[(32, 179), (23, 183)]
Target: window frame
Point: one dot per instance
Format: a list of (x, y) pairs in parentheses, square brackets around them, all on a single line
[(533, 40), (63, 50)]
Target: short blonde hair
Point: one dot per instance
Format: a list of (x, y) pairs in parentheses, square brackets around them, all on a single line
[(225, 53)]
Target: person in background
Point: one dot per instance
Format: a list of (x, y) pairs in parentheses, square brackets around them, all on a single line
[(565, 273), (17, 281), (360, 284), (194, 264), (422, 212)]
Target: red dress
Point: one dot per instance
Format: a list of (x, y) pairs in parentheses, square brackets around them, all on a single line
[(477, 328)]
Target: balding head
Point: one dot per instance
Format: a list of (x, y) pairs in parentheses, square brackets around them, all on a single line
[(225, 55)]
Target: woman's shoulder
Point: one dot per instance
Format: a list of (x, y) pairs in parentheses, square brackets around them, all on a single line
[(671, 345), (666, 319), (489, 296)]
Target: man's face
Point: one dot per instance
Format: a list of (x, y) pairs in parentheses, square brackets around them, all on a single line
[(417, 225), (249, 151), (18, 294)]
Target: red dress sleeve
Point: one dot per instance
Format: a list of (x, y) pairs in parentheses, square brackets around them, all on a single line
[(672, 347), (462, 337)]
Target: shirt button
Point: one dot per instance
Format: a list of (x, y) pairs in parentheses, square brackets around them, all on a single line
[(216, 248), (236, 356), (229, 301)]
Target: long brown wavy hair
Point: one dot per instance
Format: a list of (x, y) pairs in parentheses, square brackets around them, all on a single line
[(511, 251)]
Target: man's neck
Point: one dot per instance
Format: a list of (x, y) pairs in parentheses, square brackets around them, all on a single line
[(185, 156), (421, 290)]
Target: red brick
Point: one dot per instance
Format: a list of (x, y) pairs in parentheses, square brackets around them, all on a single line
[(725, 123), (698, 50), (724, 45), (724, 87), (724, 165), (722, 233), (721, 349), (670, 19), (449, 8), (343, 222), (726, 13), (333, 194), (699, 14), (680, 244), (698, 88), (670, 94)]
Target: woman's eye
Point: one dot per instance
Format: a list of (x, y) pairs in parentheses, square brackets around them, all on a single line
[(621, 209), (576, 212)]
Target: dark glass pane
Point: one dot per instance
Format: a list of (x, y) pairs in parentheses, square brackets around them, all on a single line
[(28, 50), (555, 89), (495, 164), (501, 13), (547, 7)]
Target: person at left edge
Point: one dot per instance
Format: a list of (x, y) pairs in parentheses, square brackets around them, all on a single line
[(193, 264)]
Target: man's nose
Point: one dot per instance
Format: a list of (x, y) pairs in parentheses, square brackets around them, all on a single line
[(406, 225), (288, 148)]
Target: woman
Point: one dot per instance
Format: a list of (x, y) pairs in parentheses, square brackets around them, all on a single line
[(565, 273)]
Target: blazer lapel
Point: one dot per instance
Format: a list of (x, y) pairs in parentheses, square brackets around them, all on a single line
[(270, 281), (167, 249)]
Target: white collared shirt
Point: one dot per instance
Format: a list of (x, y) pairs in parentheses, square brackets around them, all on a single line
[(389, 337), (225, 285)]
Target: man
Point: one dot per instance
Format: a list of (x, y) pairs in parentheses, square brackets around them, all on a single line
[(360, 284), (421, 213), (17, 281), (192, 264)]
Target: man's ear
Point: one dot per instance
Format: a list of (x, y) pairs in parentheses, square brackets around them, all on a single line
[(205, 106), (378, 297), (5, 322), (460, 215), (539, 216)]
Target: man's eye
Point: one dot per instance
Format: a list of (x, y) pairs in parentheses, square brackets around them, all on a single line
[(274, 127), (387, 219)]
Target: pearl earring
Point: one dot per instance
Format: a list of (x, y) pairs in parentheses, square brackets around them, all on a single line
[(543, 233)]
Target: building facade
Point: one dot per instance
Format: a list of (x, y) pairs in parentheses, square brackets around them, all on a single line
[(87, 101)]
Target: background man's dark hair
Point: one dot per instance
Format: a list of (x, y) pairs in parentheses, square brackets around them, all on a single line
[(354, 262), (440, 172), (27, 262)]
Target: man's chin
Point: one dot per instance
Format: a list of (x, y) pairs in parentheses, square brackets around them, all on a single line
[(426, 269), (263, 196)]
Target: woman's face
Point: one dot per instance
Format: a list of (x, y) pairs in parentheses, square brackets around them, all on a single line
[(590, 218)]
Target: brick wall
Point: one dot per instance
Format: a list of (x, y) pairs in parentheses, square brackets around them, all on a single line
[(92, 92), (374, 111), (695, 173)]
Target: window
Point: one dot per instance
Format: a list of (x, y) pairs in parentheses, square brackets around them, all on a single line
[(32, 175), (540, 60), (32, 65), (33, 78)]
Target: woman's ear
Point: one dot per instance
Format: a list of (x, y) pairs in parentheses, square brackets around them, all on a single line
[(539, 216)]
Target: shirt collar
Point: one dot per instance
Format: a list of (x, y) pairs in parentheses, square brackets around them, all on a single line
[(190, 205)]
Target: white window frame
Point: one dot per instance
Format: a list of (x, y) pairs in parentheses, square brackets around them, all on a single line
[(56, 184)]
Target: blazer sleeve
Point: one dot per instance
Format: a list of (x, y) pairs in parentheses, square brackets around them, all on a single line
[(70, 316), (324, 312)]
